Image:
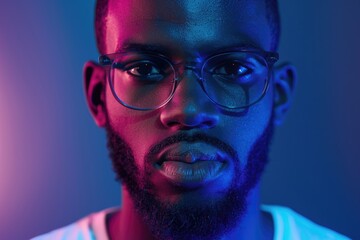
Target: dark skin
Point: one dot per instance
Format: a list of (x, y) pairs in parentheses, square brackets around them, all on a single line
[(187, 30)]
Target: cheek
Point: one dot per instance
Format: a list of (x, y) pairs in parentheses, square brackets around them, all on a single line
[(136, 128), (247, 129)]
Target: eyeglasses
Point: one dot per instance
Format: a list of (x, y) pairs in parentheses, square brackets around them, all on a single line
[(147, 81)]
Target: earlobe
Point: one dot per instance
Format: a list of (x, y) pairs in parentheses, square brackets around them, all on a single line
[(284, 84), (94, 86)]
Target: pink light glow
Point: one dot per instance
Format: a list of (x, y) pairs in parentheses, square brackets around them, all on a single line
[(6, 138)]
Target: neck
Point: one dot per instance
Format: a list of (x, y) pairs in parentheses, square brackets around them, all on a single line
[(255, 224), (127, 224)]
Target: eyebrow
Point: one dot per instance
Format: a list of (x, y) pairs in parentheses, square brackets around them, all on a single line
[(143, 48), (157, 48)]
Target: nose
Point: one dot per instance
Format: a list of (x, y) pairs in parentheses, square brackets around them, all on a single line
[(190, 107)]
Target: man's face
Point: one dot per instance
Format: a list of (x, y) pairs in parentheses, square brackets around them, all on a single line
[(189, 160)]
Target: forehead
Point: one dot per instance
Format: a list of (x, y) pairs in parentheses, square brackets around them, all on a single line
[(187, 26)]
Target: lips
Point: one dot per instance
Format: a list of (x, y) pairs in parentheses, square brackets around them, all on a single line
[(191, 164)]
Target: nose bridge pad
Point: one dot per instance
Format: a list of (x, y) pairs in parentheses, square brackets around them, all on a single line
[(184, 71), (189, 108), (195, 70)]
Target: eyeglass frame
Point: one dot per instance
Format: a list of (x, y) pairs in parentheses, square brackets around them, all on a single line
[(270, 58)]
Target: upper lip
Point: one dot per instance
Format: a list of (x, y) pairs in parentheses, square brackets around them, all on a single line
[(190, 153), (190, 148)]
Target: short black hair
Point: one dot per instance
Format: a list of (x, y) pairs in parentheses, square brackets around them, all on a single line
[(101, 9)]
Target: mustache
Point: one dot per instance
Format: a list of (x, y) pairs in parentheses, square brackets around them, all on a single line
[(192, 138)]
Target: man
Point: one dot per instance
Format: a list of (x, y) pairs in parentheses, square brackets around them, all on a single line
[(188, 94)]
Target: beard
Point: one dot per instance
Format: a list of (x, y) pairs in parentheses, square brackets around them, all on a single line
[(206, 220)]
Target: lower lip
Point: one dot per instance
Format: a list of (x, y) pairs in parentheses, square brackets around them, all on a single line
[(191, 174)]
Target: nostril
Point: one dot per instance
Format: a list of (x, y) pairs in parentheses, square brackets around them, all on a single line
[(187, 125), (209, 123), (185, 120), (171, 123)]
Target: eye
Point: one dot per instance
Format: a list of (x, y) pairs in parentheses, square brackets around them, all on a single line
[(145, 70), (231, 69)]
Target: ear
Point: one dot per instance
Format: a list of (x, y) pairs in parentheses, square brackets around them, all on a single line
[(94, 86), (284, 84)]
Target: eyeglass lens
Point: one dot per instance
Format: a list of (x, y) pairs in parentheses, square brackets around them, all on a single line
[(231, 80)]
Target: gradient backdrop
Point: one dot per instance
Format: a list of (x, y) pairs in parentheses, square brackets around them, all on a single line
[(53, 161)]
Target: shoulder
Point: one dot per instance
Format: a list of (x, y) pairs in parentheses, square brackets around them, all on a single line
[(290, 225), (78, 230), (90, 227)]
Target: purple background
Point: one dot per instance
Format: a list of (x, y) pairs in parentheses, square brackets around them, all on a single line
[(53, 161)]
